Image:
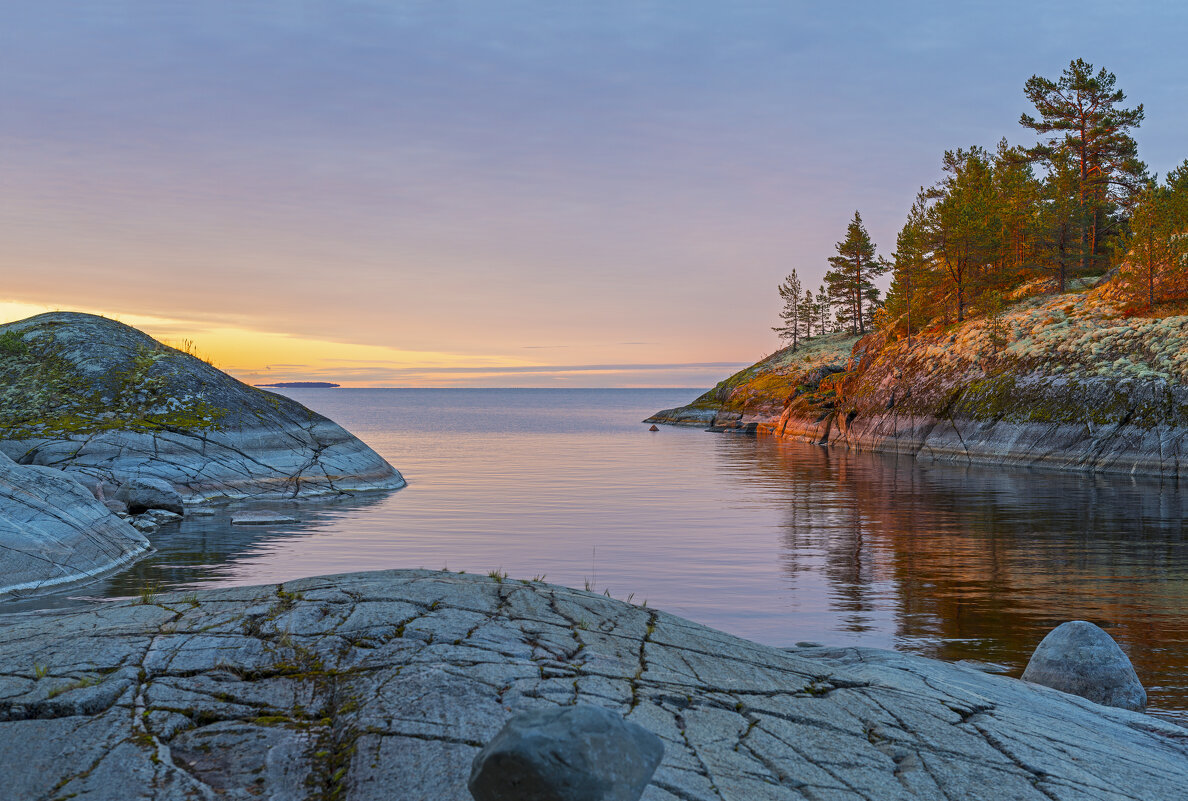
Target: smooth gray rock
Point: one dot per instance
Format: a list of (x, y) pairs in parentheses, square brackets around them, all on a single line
[(571, 753), (144, 493), (382, 686), (1080, 658), (100, 399), (260, 517), (53, 531)]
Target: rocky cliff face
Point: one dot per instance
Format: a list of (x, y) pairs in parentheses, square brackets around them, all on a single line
[(1062, 381), (107, 403), (386, 685), (53, 531)]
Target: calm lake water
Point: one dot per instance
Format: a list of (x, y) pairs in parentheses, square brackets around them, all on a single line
[(777, 542)]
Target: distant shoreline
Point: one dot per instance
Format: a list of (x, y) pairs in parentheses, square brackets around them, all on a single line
[(301, 385)]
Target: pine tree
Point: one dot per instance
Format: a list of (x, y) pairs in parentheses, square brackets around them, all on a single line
[(906, 297), (1087, 126), (851, 281), (791, 294), (1018, 201), (822, 310), (808, 313), (1156, 246)]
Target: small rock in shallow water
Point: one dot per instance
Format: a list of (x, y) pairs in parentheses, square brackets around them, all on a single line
[(1080, 658), (260, 518), (575, 753), (653, 428), (200, 511)]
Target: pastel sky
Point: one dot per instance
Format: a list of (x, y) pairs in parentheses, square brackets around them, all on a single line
[(502, 192)]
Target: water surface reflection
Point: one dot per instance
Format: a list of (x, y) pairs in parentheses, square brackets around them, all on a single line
[(778, 542)]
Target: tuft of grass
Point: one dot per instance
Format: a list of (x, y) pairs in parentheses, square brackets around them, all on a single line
[(540, 578), (191, 599), (85, 681), (40, 671), (148, 594), (497, 574)]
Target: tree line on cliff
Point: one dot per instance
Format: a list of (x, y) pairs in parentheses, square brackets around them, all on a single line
[(1077, 203)]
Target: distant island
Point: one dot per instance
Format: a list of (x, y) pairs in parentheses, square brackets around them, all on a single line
[(301, 385)]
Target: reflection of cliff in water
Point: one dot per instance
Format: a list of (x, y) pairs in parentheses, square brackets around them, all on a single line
[(204, 549), (978, 562)]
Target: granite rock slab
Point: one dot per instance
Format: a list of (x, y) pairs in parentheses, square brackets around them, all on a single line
[(53, 531), (386, 685)]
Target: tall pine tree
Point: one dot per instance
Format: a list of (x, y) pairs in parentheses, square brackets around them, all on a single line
[(1087, 128), (850, 282)]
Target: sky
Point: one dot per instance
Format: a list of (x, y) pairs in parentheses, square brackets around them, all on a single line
[(511, 193)]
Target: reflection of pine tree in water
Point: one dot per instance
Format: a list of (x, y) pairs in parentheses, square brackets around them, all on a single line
[(851, 574), (981, 562)]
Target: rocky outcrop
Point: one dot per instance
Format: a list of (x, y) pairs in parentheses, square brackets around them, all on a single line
[(108, 404), (1066, 383), (757, 395), (1071, 382), (387, 685), (53, 531)]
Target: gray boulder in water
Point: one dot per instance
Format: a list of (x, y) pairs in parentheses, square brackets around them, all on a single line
[(53, 531), (109, 404), (1080, 658), (575, 753)]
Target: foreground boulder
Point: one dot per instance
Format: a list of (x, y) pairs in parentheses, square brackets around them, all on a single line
[(387, 685), (111, 405), (576, 753), (53, 531), (1080, 658)]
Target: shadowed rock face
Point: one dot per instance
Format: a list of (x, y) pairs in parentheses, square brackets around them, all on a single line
[(53, 531), (108, 403), (386, 685)]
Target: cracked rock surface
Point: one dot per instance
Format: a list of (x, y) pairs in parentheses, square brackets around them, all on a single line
[(53, 531), (385, 685), (107, 403)]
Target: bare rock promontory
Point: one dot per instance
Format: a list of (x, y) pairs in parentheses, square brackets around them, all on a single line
[(109, 404), (387, 685)]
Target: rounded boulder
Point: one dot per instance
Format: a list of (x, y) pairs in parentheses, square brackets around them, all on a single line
[(142, 494), (571, 753), (1080, 658)]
